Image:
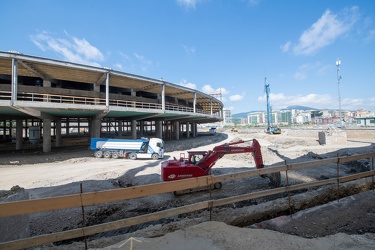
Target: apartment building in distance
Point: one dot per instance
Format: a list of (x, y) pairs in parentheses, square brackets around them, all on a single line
[(318, 117)]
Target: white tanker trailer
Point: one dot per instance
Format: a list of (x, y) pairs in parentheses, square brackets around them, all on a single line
[(143, 148)]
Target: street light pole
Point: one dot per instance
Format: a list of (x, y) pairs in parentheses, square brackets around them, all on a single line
[(338, 62)]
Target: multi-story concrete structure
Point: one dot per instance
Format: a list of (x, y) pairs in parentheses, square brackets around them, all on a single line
[(227, 116), (302, 118), (286, 117), (255, 118), (60, 98)]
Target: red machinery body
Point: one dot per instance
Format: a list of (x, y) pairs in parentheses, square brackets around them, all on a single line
[(199, 163)]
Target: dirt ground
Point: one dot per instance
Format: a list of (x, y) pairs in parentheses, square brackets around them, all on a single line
[(318, 221)]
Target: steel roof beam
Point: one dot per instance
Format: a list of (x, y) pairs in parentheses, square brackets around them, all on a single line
[(39, 74)]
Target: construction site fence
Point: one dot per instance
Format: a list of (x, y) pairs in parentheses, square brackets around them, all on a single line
[(95, 198)]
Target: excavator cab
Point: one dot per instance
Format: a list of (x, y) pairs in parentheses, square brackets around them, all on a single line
[(196, 156)]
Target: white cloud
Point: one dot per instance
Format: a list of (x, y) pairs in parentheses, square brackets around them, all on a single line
[(300, 75), (254, 2), (325, 31), (279, 101), (358, 103), (304, 70), (222, 91), (126, 63), (188, 49), (71, 48), (370, 37), (208, 89), (188, 84), (235, 98), (285, 48), (145, 63), (119, 66), (188, 3)]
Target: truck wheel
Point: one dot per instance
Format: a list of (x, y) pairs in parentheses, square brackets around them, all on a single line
[(115, 155), (107, 154), (132, 156), (218, 185), (98, 154), (154, 156)]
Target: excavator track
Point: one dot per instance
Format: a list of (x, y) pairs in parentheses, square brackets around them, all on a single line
[(217, 185)]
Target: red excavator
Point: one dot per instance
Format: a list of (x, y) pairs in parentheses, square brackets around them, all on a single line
[(199, 163)]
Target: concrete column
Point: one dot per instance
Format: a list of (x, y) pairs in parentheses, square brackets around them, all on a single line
[(18, 134), (163, 97), (5, 130), (46, 135), (195, 102), (119, 128), (46, 83), (58, 132), (142, 128), (187, 130), (134, 129), (159, 129), (14, 81), (95, 126), (211, 106), (107, 91), (177, 130), (67, 127), (194, 129), (96, 88)]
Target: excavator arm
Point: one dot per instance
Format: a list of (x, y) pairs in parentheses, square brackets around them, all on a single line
[(209, 159)]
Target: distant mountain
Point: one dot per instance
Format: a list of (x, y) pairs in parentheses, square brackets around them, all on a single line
[(297, 107)]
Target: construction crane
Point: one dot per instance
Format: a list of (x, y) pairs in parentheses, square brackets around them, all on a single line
[(270, 128)]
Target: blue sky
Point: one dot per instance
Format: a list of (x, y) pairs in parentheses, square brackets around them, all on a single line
[(214, 46)]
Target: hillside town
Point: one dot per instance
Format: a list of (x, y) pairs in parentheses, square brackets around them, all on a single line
[(285, 117)]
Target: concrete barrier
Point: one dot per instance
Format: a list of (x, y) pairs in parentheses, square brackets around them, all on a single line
[(332, 137)]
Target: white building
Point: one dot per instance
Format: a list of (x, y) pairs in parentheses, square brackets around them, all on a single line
[(227, 115), (302, 117), (255, 118)]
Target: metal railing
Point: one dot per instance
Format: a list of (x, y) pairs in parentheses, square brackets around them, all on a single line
[(81, 100)]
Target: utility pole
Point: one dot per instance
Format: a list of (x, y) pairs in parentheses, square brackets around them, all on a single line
[(338, 62)]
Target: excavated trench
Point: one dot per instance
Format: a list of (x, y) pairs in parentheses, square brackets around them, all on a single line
[(248, 213)]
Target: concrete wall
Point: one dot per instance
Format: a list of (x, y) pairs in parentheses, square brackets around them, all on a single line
[(14, 227), (332, 137), (361, 133), (351, 133)]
